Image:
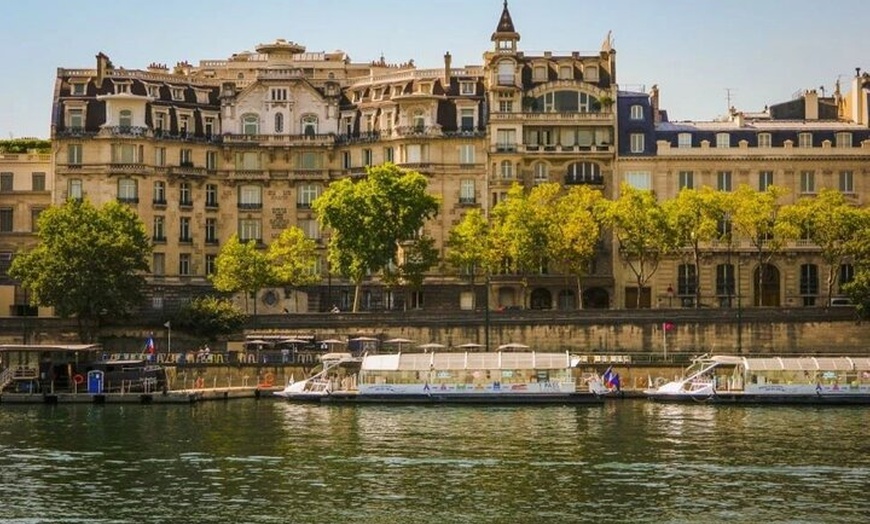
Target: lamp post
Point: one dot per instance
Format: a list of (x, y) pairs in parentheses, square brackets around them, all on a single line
[(486, 313)]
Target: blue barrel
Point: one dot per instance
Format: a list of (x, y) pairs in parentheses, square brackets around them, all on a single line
[(95, 381)]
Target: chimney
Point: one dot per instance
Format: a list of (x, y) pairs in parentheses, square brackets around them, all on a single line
[(103, 65), (654, 102), (811, 105), (447, 61)]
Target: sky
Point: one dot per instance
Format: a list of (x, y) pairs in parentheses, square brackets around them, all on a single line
[(698, 52)]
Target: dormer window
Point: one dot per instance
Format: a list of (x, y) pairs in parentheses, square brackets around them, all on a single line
[(160, 121), (539, 73), (378, 94), (566, 72), (78, 88), (75, 118), (636, 112), (153, 91), (177, 93), (201, 96), (844, 139), (425, 88), (357, 96), (723, 140), (764, 140), (122, 87), (590, 73), (397, 90), (466, 88), (684, 140), (805, 140)]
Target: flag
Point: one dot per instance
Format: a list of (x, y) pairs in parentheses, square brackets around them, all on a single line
[(613, 383), (607, 376), (149, 345)]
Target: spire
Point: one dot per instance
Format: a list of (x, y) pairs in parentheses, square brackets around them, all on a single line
[(505, 26)]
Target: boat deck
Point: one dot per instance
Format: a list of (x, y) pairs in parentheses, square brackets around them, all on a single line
[(181, 396)]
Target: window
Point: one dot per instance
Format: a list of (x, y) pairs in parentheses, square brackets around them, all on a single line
[(74, 154), (725, 279), (639, 179), (507, 170), (211, 195), (37, 181), (805, 140), (6, 220), (723, 229), (636, 142), (414, 153), (419, 121), (249, 229), (279, 123), (367, 157), (466, 191), (184, 194), (636, 112), (209, 126), (127, 191), (583, 173), (248, 161), (250, 197), (684, 140), (765, 180), (77, 88), (74, 189), (34, 218), (686, 180), (184, 229), (566, 72), (345, 160), (308, 193), (506, 106), (686, 279), (185, 158), (764, 140), (590, 73), (160, 156), (847, 274), (723, 140), (183, 124), (388, 154), (505, 73), (159, 122), (808, 182), (539, 73), (309, 125), (124, 154), (466, 154), (211, 231), (250, 125), (467, 88), (466, 119), (844, 139), (723, 180), (159, 192), (211, 160), (76, 119), (159, 229), (506, 140), (177, 93), (541, 171), (310, 160), (809, 283), (158, 264), (846, 182), (125, 118), (184, 264), (6, 182), (279, 94), (153, 90), (311, 228), (210, 264)]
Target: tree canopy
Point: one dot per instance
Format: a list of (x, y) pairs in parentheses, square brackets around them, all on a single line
[(242, 266), (89, 262), (367, 219)]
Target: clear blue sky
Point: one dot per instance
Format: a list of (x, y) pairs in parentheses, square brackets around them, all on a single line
[(762, 50)]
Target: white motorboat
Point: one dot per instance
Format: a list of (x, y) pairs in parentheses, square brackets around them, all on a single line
[(328, 379)]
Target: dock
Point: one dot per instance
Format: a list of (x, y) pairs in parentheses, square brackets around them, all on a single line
[(179, 396)]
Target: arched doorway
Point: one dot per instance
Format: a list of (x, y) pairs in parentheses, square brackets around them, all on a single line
[(768, 294), (596, 298), (541, 299), (566, 300)]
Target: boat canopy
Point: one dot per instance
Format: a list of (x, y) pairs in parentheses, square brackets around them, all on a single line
[(477, 360), (797, 363)]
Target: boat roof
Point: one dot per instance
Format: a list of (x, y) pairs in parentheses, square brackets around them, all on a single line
[(466, 360), (50, 347), (797, 363)]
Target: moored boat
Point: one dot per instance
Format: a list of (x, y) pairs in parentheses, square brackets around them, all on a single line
[(773, 380), (453, 377)]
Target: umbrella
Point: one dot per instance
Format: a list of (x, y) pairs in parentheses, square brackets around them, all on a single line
[(398, 341), (513, 345), (471, 345), (331, 341), (256, 341), (292, 341), (431, 345), (363, 339)]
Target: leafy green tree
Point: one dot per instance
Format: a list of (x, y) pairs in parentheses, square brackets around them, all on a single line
[(292, 256), (694, 217), (418, 256), (210, 317), (755, 216), (369, 217), (468, 245), (23, 145), (642, 231), (829, 221), (89, 262), (241, 266), (574, 229)]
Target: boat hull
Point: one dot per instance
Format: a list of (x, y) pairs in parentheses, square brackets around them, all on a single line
[(466, 399), (765, 398)]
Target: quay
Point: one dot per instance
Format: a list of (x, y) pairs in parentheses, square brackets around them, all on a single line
[(181, 396)]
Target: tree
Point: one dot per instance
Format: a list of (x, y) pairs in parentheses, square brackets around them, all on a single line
[(833, 224), (210, 317), (418, 256), (241, 266), (369, 217), (292, 257), (755, 216), (641, 228), (468, 244), (89, 262), (694, 217), (573, 228)]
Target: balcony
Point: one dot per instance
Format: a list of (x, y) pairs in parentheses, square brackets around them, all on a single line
[(563, 118), (250, 206), (590, 180), (418, 131), (125, 132), (359, 138), (127, 168), (187, 171), (305, 140)]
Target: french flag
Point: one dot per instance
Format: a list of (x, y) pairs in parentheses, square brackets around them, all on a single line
[(610, 379), (149, 345)]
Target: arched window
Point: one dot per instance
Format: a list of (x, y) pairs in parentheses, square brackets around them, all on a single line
[(279, 123), (419, 120), (505, 73), (507, 170), (541, 173), (125, 118), (309, 125), (583, 173), (250, 124)]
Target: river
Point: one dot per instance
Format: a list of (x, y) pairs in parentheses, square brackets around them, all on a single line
[(267, 461)]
